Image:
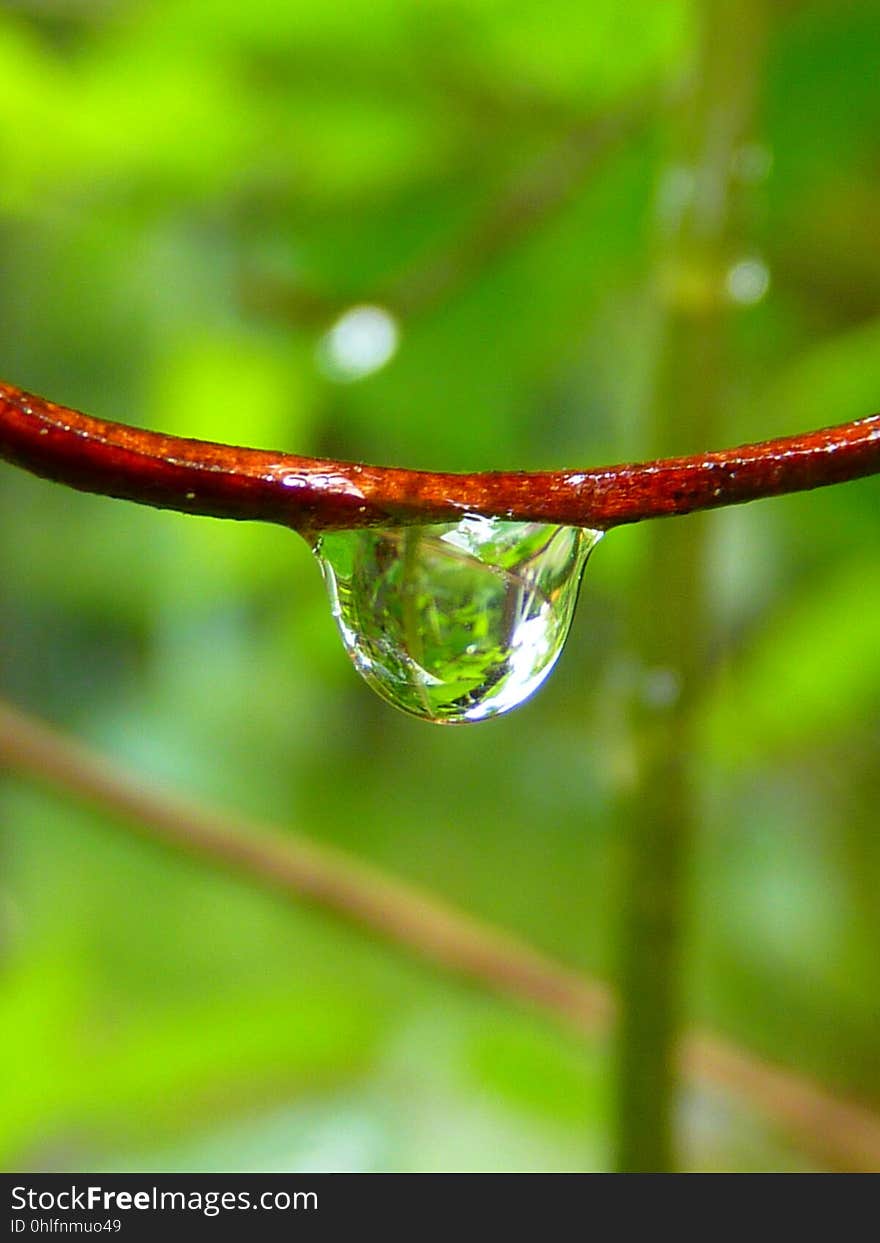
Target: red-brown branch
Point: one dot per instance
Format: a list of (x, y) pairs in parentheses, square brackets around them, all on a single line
[(225, 481)]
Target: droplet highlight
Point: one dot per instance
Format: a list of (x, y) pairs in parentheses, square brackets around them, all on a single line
[(361, 341), (455, 622)]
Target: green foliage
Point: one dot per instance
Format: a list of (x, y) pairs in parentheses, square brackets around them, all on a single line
[(192, 193)]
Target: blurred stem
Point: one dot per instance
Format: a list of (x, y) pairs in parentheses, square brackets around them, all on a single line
[(282, 861), (671, 632)]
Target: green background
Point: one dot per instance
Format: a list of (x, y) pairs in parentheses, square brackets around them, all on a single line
[(192, 192)]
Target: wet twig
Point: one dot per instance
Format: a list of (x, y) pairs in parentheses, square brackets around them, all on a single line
[(226, 481)]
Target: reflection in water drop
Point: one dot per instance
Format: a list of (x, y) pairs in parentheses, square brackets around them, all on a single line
[(455, 622)]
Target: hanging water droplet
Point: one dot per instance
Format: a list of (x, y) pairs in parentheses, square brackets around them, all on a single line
[(456, 622)]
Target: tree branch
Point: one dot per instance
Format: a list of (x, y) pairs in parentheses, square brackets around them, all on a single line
[(225, 481), (838, 1133)]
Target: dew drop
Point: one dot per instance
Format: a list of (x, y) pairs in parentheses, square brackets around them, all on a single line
[(455, 622), (747, 281), (361, 341)]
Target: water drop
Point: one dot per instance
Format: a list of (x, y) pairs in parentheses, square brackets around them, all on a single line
[(361, 341), (747, 281), (455, 622)]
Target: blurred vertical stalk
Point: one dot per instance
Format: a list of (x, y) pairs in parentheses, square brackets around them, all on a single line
[(697, 210)]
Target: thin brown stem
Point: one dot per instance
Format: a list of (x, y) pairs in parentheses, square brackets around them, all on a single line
[(837, 1133), (225, 481)]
